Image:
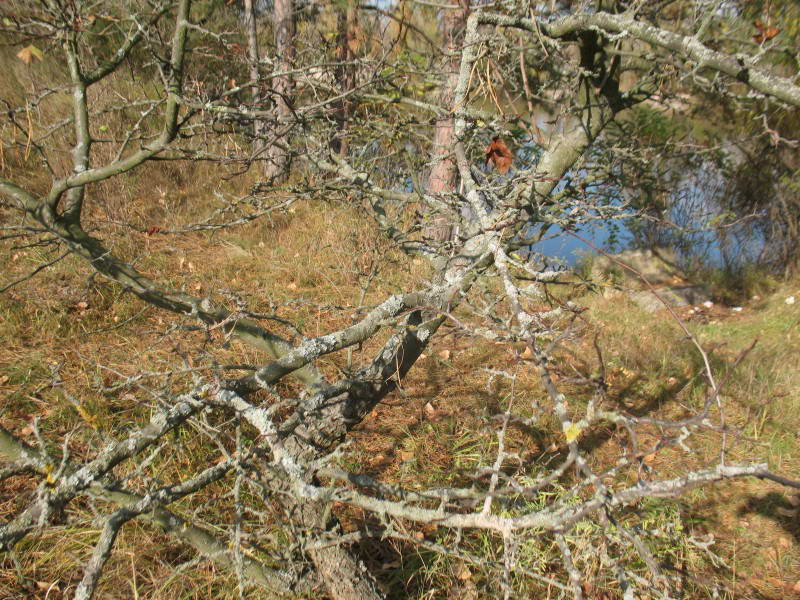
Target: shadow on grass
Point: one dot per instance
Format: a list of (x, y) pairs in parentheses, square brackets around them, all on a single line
[(775, 506)]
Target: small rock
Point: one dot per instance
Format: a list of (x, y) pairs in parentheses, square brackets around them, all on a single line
[(708, 304), (790, 300), (429, 410), (737, 309)]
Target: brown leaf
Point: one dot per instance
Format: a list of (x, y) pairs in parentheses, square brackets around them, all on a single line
[(499, 155), (405, 455), (28, 53), (765, 31)]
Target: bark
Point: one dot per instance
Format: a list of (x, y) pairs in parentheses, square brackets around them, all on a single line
[(442, 178), (255, 77), (345, 76), (283, 86)]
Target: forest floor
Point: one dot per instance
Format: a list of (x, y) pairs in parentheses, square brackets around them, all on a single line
[(69, 326)]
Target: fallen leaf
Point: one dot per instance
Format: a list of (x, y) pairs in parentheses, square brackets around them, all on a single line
[(429, 410), (444, 354), (29, 53), (527, 353), (499, 155), (463, 573), (405, 455), (3, 379), (796, 587)]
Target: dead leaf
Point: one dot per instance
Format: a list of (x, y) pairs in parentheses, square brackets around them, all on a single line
[(796, 587), (499, 155), (429, 410), (3, 379), (29, 53), (405, 455), (444, 354), (82, 305), (463, 573), (765, 31), (527, 354)]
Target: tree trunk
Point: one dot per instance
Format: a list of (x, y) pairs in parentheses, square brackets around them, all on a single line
[(345, 75), (253, 59), (442, 178), (283, 86)]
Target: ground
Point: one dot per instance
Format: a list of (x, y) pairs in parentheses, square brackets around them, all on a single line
[(67, 339)]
